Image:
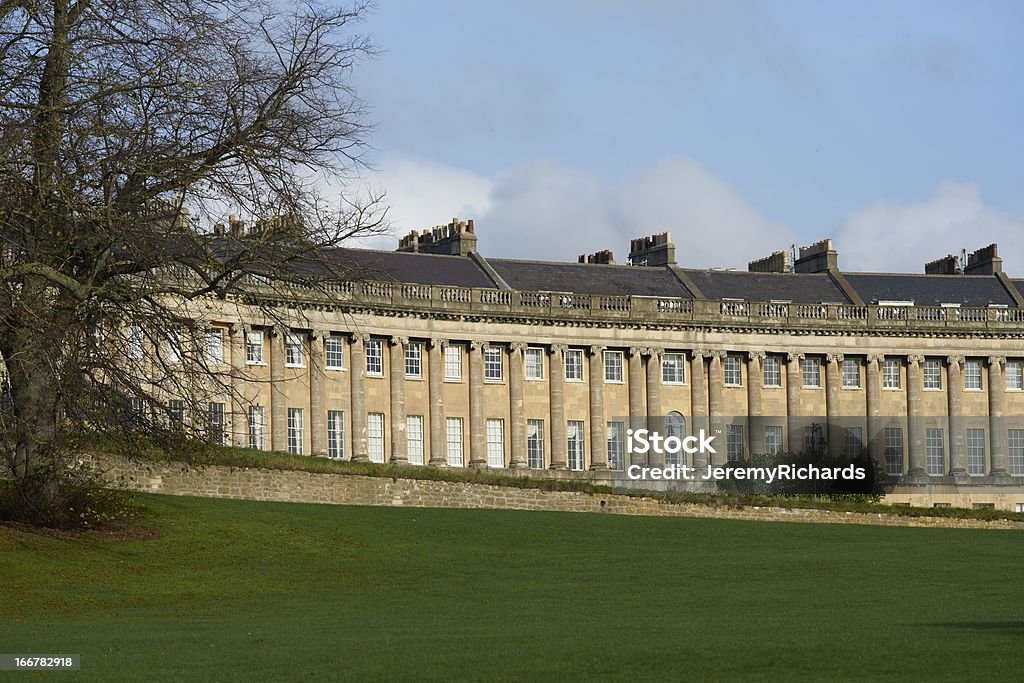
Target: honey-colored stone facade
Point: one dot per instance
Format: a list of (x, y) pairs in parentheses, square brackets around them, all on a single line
[(488, 413)]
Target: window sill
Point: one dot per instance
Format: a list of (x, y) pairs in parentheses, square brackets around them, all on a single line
[(453, 380), (375, 374), (614, 381), (534, 379), (851, 388), (256, 362), (334, 369), (673, 384), (415, 378), (294, 365)]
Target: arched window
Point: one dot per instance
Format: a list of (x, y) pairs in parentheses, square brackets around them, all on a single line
[(675, 425)]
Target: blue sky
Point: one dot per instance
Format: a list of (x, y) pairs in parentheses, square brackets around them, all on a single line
[(740, 126)]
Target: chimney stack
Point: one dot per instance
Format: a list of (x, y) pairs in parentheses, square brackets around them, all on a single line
[(605, 256), (778, 262), (458, 238), (656, 250), (817, 258), (947, 265), (984, 261)]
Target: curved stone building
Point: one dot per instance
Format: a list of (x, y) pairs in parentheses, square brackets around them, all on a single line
[(435, 355)]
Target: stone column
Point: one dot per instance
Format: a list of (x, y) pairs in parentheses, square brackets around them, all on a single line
[(698, 403), (655, 416), (357, 385), (956, 429), (598, 424), (794, 382), (833, 382), (317, 412), (556, 386), (239, 416), (278, 409), (996, 410), (517, 407), (438, 439), (755, 412), (636, 397), (915, 434), (715, 407), (874, 440), (477, 428), (399, 443)]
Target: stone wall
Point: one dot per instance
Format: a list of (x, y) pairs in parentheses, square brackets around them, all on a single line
[(344, 489)]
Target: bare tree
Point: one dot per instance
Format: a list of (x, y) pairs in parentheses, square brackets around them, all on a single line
[(124, 125)]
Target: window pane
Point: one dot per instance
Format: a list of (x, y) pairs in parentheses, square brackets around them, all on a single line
[(534, 363), (453, 362), (414, 360), (295, 430), (616, 446), (772, 372), (934, 452), (613, 366), (414, 438), (976, 452), (535, 444), (375, 436), (455, 449), (335, 434), (575, 444), (495, 443), (334, 352), (673, 368)]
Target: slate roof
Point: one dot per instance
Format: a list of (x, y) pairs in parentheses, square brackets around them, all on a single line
[(422, 269), (803, 288), (1019, 284), (930, 290), (585, 278)]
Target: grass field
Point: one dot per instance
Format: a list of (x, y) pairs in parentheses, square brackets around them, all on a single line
[(272, 591)]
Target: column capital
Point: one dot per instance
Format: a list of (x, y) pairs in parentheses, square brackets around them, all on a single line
[(996, 360), (635, 351), (915, 358), (359, 337), (475, 344), (558, 348), (432, 342), (756, 355), (834, 357), (716, 353), (876, 357), (791, 357), (399, 341), (700, 353), (955, 360), (517, 347), (316, 334), (596, 350), (653, 351)]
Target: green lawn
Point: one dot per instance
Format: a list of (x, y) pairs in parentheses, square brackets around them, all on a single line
[(274, 591)]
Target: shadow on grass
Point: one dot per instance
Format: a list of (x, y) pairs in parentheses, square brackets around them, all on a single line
[(1013, 627)]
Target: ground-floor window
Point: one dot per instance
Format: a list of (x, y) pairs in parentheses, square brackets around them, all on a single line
[(1016, 444), (976, 452), (215, 423), (258, 428), (575, 437), (455, 448), (414, 438), (773, 439), (934, 452), (295, 429), (616, 446), (535, 444), (675, 425), (734, 442), (894, 451), (375, 436), (335, 434), (495, 443), (854, 445)]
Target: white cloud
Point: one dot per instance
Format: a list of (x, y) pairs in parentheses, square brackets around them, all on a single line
[(545, 211), (711, 224), (903, 236), (422, 194)]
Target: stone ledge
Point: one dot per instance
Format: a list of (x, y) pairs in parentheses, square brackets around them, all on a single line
[(216, 481)]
